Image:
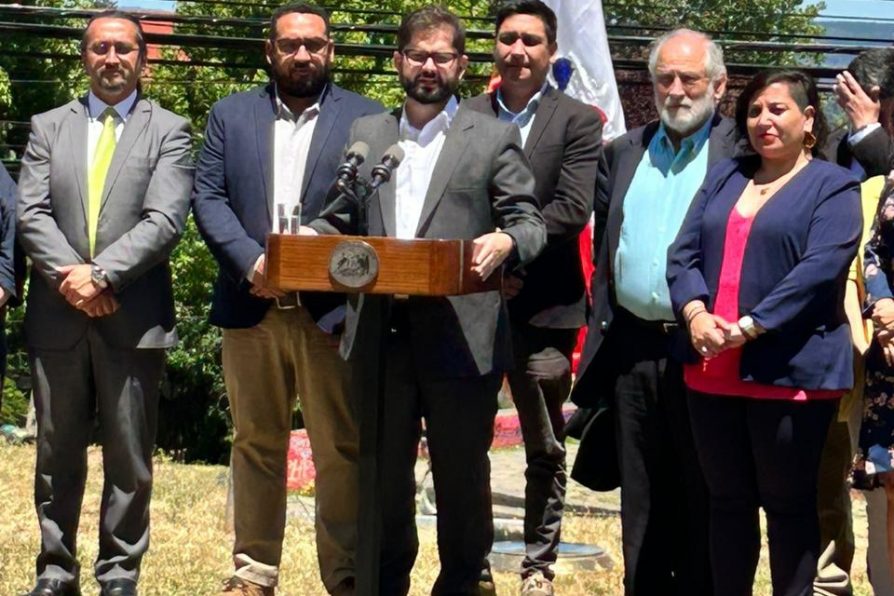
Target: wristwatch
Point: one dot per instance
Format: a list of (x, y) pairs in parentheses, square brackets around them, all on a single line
[(749, 328), (98, 276)]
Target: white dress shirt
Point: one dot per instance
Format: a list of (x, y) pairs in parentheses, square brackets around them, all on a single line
[(95, 108), (421, 151), (291, 144)]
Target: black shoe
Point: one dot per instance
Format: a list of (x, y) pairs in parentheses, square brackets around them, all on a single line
[(54, 587), (119, 587)]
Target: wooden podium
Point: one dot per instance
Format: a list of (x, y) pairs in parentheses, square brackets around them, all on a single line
[(374, 265)]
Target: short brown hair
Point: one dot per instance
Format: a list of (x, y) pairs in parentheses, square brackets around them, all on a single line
[(427, 18)]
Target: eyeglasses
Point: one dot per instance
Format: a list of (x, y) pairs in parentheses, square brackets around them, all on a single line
[(528, 39), (104, 47), (688, 80), (420, 57), (313, 45)]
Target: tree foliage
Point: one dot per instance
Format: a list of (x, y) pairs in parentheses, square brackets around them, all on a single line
[(193, 421)]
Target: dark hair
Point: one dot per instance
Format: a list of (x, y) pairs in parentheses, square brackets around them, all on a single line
[(802, 88), (534, 8), (875, 67), (431, 17), (116, 14), (298, 7)]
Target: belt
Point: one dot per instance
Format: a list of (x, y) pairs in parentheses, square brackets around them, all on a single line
[(288, 301), (665, 327)]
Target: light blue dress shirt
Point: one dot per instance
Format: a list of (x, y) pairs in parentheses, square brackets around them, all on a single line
[(655, 205), (525, 118)]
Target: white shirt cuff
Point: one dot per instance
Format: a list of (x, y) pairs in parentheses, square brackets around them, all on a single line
[(856, 137)]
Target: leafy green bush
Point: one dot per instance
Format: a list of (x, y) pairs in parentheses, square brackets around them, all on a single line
[(193, 421)]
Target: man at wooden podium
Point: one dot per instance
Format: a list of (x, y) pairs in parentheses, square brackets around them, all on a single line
[(464, 175)]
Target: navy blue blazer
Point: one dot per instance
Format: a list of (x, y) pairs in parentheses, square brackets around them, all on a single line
[(800, 247), (8, 261), (233, 194)]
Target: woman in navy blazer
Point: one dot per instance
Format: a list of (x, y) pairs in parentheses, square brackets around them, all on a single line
[(757, 277)]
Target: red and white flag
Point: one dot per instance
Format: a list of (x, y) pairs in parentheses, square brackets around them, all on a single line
[(583, 44)]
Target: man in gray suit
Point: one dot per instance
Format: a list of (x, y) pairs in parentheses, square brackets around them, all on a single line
[(463, 176), (103, 197)]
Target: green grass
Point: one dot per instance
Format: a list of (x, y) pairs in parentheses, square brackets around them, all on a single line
[(190, 552)]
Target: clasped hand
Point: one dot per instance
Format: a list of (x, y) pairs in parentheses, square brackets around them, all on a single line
[(712, 334), (84, 294)]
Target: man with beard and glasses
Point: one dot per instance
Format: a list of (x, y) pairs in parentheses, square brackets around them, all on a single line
[(464, 175), (270, 155), (651, 175), (103, 199)]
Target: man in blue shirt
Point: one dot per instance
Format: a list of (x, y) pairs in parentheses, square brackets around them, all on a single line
[(651, 175)]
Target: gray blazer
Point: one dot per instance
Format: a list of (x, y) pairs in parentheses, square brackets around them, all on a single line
[(144, 208), (482, 180)]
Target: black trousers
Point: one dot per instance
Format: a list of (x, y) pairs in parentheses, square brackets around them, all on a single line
[(540, 384), (761, 453), (664, 507), (459, 421)]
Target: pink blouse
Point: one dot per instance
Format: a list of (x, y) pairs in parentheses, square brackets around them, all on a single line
[(720, 375)]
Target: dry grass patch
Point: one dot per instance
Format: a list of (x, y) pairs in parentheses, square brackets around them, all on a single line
[(190, 551)]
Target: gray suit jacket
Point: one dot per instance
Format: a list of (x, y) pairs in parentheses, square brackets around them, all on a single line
[(564, 146), (142, 215), (482, 180)]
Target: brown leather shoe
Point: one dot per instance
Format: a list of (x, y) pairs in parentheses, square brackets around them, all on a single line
[(236, 586)]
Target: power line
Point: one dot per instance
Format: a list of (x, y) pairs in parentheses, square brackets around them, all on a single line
[(262, 22), (381, 50)]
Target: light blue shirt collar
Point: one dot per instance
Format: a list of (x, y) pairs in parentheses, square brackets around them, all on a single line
[(96, 106), (527, 114), (689, 146)]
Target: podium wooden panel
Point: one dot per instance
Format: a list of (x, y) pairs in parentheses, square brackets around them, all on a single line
[(418, 267)]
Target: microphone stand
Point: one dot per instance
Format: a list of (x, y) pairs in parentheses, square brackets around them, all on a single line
[(360, 192)]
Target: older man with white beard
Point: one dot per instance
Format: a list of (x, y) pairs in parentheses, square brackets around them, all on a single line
[(650, 176)]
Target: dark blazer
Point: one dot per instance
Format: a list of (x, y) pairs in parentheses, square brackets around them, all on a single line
[(564, 146), (8, 253), (622, 156), (481, 181), (872, 155), (233, 194), (142, 215), (800, 247)]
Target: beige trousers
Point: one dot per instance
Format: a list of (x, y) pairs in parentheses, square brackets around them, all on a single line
[(266, 368)]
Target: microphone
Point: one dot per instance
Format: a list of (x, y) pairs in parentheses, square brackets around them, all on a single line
[(381, 172), (347, 172)]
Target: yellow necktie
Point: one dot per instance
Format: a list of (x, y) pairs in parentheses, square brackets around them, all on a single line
[(102, 158)]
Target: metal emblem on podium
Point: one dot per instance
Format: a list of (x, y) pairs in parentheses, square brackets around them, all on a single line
[(354, 264)]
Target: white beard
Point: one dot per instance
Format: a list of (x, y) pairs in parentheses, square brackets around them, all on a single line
[(689, 117)]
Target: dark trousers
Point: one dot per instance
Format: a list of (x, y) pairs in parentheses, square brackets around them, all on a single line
[(664, 509), (540, 384), (761, 453), (459, 421), (71, 389)]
